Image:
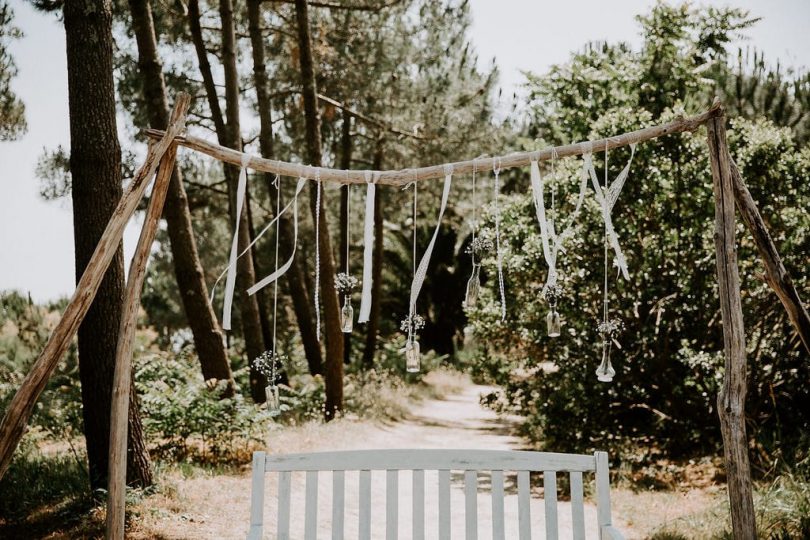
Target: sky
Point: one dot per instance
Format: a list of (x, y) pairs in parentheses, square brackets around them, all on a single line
[(36, 237)]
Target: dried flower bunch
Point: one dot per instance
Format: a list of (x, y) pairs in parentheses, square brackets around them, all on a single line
[(409, 325), (479, 246), (345, 283), (553, 293), (269, 364), (611, 328)]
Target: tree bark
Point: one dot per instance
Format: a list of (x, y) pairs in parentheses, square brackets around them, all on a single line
[(333, 372), (731, 399), (295, 275), (95, 167), (245, 272), (346, 164), (776, 274), (376, 268), (187, 268)]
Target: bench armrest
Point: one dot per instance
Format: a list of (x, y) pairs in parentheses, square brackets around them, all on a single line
[(611, 533)]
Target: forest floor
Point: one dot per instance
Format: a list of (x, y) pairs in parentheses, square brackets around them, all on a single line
[(203, 503)]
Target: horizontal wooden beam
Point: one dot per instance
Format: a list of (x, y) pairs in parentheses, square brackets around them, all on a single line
[(405, 176)]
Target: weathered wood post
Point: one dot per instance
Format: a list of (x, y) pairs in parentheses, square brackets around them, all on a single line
[(22, 404), (122, 378), (731, 399)]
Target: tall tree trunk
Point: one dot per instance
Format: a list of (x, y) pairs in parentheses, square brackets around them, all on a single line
[(95, 167), (295, 275), (333, 372), (187, 268), (345, 164), (373, 326), (245, 273)]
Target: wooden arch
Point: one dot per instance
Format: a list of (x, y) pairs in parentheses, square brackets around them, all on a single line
[(729, 189)]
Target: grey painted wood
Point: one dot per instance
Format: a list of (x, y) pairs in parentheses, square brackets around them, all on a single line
[(577, 506), (408, 460), (391, 505), (418, 514), (498, 530), (524, 506), (550, 501), (444, 505), (364, 527), (257, 497), (602, 489), (338, 505), (471, 505), (311, 508), (284, 488)]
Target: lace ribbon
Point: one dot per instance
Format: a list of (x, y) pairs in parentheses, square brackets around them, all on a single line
[(281, 270), (230, 281), (498, 252), (368, 249), (421, 271), (607, 199)]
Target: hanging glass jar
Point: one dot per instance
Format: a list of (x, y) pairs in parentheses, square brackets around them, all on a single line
[(413, 358), (347, 315), (553, 322), (272, 394), (473, 287), (605, 371)]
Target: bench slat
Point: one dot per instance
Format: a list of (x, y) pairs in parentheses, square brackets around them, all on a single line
[(498, 532), (284, 480), (486, 460), (524, 506), (257, 496), (550, 500), (311, 508), (418, 505), (338, 481), (364, 526), (391, 505), (471, 504), (577, 506), (444, 505), (602, 489)]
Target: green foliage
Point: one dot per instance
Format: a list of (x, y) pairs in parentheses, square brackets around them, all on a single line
[(12, 109), (668, 369)]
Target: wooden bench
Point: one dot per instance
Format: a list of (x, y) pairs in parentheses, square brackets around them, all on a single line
[(470, 462)]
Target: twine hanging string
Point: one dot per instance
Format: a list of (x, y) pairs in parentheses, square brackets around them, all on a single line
[(605, 300), (348, 220), (277, 184), (496, 168), (318, 256), (474, 224)]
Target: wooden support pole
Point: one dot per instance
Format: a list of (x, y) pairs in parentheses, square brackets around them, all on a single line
[(775, 273), (731, 399), (22, 404), (122, 378), (406, 176)]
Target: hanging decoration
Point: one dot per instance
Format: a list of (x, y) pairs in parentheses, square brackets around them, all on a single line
[(477, 249), (230, 281), (345, 283), (268, 362), (606, 196), (412, 322), (553, 319), (474, 283), (368, 249), (496, 169), (318, 211)]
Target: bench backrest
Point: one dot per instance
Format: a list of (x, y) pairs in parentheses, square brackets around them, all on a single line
[(470, 462)]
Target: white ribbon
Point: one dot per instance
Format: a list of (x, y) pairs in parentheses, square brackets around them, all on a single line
[(540, 209), (230, 281), (556, 241), (498, 252), (301, 184), (607, 199), (280, 271), (421, 271), (368, 245)]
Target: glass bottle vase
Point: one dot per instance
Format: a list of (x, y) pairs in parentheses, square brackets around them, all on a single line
[(413, 360), (473, 287), (347, 315), (272, 395), (553, 322), (605, 371)]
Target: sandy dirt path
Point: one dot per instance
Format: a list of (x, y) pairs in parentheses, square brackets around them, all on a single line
[(218, 506)]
